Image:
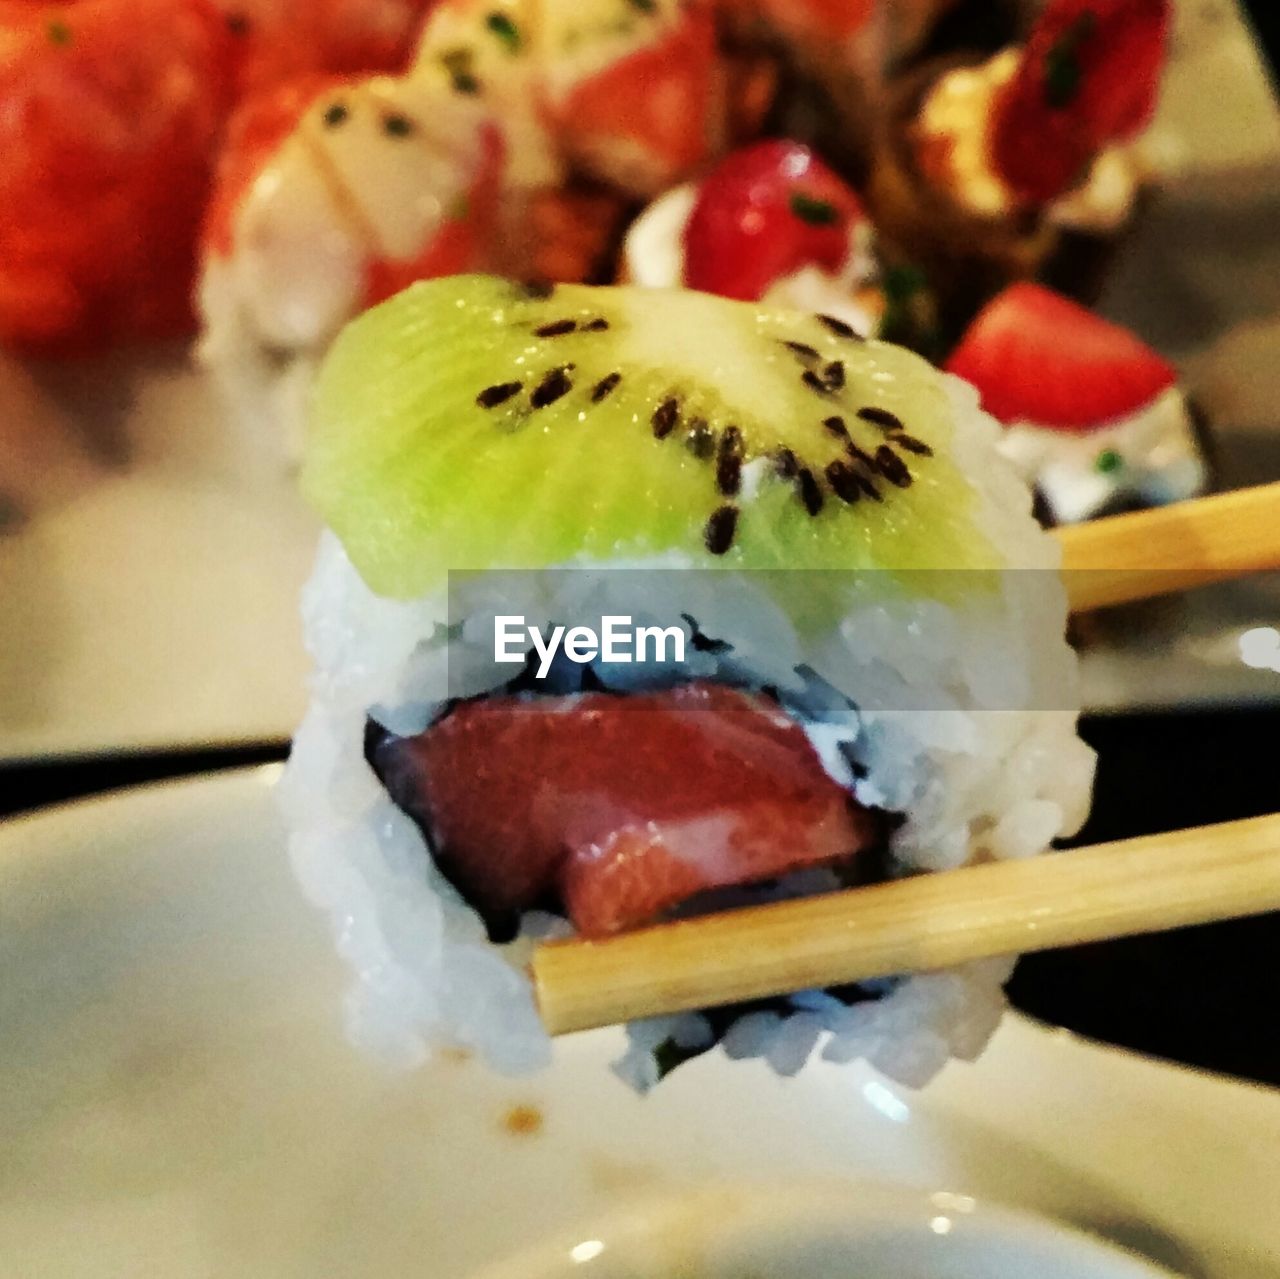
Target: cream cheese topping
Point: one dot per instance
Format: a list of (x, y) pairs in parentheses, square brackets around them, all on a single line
[(1151, 455)]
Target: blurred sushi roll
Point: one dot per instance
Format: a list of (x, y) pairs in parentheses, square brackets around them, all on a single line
[(1094, 418), (842, 681), (112, 117), (332, 194), (988, 170), (517, 143)]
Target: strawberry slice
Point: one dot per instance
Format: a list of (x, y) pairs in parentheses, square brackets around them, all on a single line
[(761, 214), (1036, 356), (1089, 76)]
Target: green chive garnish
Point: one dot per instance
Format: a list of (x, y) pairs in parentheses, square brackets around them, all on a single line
[(1062, 70), (814, 212), (1108, 461), (505, 30)]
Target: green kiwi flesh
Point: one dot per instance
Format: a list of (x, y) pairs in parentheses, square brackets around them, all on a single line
[(472, 423)]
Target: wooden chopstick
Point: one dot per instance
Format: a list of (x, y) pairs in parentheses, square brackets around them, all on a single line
[(926, 922), (1130, 557)]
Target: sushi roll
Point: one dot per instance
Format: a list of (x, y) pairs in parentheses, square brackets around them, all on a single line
[(808, 534), (517, 142), (1007, 168), (1094, 418), (332, 194)]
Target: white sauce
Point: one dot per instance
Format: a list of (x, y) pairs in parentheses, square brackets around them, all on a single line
[(1151, 455)]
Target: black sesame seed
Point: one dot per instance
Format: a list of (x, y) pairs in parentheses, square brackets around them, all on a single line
[(664, 418), (801, 349), (555, 384), (836, 427), (838, 327), (833, 375), (911, 444), (880, 417), (597, 325), (540, 289), (809, 490), (605, 386), (729, 462), (334, 115), (720, 529), (843, 481), (555, 328), (892, 467), (397, 125), (492, 396), (701, 439), (813, 382), (784, 462)]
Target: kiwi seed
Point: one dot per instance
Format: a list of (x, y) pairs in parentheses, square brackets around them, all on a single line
[(664, 418), (720, 529), (603, 387)]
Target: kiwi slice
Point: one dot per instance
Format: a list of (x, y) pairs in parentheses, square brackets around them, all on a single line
[(474, 423)]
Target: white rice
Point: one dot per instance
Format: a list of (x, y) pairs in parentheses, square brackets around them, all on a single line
[(934, 731)]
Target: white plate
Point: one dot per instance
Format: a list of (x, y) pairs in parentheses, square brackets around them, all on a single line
[(818, 1230), (179, 1099), (149, 599)]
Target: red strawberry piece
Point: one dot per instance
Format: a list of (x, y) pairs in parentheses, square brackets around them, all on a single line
[(619, 807), (761, 214), (1036, 356), (1089, 76)]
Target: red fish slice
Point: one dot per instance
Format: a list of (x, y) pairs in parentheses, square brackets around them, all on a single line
[(620, 806)]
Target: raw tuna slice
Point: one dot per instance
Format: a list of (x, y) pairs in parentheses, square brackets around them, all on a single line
[(615, 809)]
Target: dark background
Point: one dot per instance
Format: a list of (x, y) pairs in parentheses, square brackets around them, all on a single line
[(1205, 996)]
